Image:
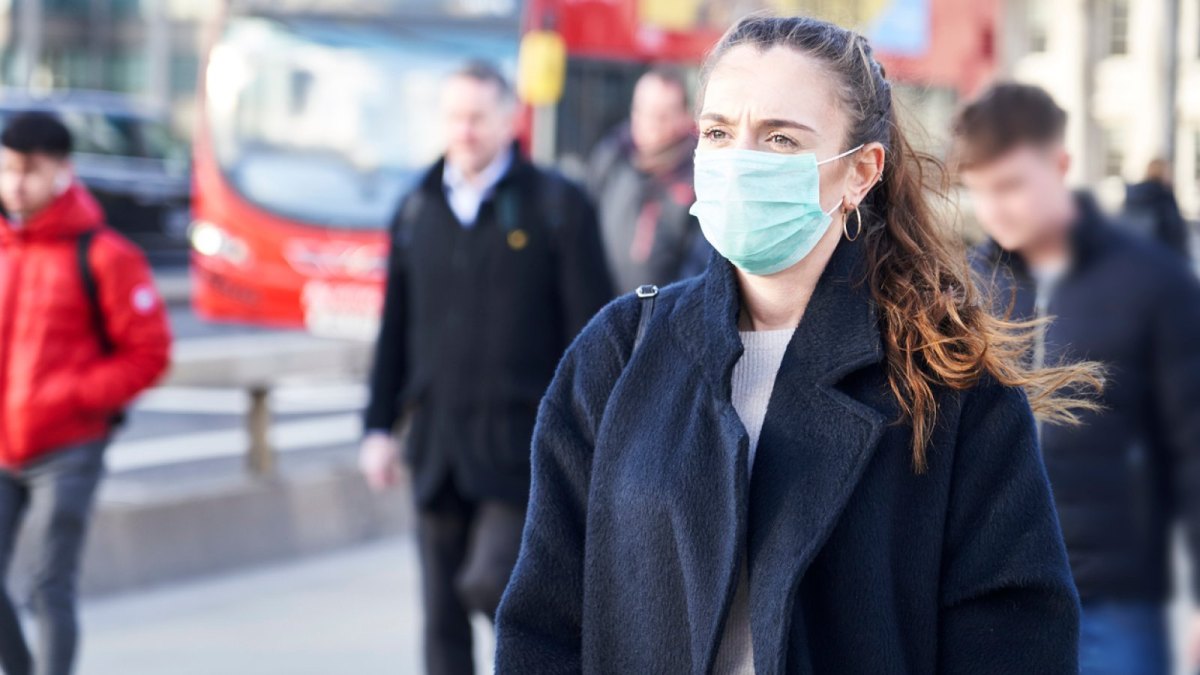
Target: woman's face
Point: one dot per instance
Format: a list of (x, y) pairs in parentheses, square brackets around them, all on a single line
[(778, 100)]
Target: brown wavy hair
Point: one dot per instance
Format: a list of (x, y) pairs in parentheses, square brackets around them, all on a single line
[(939, 329)]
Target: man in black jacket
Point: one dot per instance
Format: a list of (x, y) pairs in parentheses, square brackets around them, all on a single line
[(1131, 470), (495, 266)]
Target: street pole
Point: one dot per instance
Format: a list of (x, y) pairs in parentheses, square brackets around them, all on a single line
[(260, 457), (545, 118), (30, 31), (101, 47), (1171, 89), (158, 47), (1090, 160)]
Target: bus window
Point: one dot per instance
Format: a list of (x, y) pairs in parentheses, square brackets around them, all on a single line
[(330, 124)]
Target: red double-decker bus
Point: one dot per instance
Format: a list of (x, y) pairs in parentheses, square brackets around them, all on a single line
[(317, 115)]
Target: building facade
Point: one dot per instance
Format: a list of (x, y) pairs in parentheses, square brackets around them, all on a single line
[(1128, 74), (150, 49)]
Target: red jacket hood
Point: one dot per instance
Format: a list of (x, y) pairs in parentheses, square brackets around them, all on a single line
[(71, 213)]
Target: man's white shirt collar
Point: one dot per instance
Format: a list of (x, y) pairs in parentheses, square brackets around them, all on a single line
[(465, 197)]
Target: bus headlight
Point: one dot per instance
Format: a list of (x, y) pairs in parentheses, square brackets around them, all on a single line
[(210, 240)]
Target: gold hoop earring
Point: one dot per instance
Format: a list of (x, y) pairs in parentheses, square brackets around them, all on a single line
[(846, 219)]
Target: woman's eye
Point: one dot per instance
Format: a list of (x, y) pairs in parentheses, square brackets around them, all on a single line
[(781, 140), (714, 134)]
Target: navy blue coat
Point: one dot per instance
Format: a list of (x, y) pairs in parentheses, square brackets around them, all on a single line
[(641, 508)]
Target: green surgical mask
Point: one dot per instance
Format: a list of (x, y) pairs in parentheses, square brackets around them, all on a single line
[(761, 210)]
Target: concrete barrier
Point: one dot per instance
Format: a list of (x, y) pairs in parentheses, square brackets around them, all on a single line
[(257, 363), (146, 533), (174, 285), (141, 538), (263, 359)]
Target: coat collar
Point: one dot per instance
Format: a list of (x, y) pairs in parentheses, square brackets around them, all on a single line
[(72, 213), (453, 178), (1089, 237), (815, 444), (518, 169), (705, 320)]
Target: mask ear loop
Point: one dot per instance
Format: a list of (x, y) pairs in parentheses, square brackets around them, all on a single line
[(851, 151)]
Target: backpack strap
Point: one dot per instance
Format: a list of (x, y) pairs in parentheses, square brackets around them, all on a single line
[(83, 246), (648, 295), (91, 289)]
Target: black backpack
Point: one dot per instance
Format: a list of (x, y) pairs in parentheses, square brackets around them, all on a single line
[(92, 291)]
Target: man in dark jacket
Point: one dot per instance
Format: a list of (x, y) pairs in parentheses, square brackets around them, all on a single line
[(641, 178), (1151, 209), (495, 266), (1125, 476)]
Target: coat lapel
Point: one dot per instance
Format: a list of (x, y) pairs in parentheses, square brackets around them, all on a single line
[(704, 323), (814, 444)]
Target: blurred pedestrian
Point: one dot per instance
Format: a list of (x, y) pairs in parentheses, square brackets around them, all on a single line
[(1132, 469), (82, 331), (495, 266), (640, 176), (818, 457), (1151, 209)]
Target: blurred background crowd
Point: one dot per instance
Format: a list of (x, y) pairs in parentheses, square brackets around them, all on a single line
[(258, 151)]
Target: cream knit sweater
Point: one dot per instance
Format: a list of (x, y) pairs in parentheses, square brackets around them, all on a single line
[(752, 384)]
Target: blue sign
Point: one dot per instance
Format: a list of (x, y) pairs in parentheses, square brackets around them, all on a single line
[(902, 28)]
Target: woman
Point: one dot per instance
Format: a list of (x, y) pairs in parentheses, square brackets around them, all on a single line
[(820, 455)]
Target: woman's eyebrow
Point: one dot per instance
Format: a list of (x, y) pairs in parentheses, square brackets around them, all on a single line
[(774, 123), (778, 123), (714, 117)]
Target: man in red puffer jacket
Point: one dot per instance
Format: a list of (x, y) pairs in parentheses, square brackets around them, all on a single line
[(82, 331)]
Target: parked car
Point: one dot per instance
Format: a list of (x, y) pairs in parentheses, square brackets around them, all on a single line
[(127, 156)]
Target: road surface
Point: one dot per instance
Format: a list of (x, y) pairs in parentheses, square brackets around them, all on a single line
[(354, 612)]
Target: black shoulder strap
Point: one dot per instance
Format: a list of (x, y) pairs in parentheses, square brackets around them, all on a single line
[(648, 295), (82, 247), (91, 289)]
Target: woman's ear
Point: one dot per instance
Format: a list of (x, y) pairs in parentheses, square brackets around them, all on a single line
[(865, 172)]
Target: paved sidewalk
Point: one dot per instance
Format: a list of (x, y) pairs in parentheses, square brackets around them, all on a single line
[(353, 612)]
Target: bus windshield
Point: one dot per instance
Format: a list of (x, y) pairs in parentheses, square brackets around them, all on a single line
[(329, 122)]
